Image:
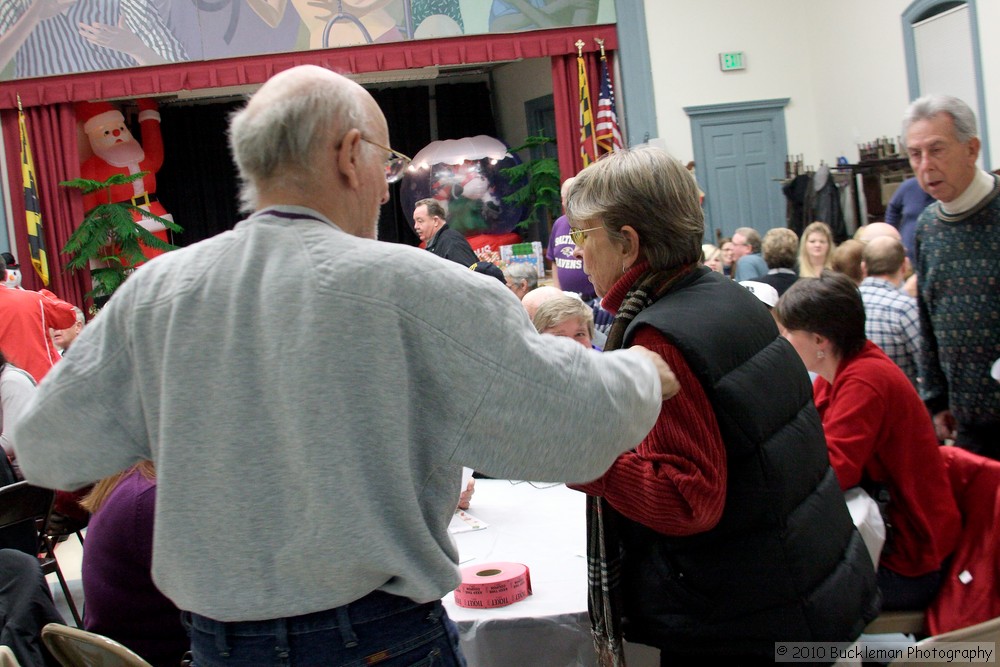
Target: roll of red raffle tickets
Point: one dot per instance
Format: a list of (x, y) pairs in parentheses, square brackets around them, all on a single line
[(492, 585)]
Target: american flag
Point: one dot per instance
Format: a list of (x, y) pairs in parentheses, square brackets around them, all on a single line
[(609, 137)]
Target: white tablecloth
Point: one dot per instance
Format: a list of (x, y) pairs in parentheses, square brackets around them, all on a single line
[(542, 526)]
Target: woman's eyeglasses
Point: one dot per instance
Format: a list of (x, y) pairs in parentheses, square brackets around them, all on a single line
[(394, 165), (579, 235)]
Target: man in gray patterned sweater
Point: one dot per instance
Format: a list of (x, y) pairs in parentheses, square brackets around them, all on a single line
[(958, 272)]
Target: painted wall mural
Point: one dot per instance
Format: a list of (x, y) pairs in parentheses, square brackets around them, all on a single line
[(53, 37)]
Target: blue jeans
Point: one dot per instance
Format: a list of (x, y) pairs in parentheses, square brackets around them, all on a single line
[(378, 629)]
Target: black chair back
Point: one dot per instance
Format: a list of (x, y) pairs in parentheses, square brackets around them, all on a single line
[(24, 516), (22, 508)]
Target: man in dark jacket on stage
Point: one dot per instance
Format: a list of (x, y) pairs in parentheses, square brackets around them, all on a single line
[(430, 225)]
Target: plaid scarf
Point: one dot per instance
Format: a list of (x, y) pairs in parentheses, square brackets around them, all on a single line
[(604, 556)]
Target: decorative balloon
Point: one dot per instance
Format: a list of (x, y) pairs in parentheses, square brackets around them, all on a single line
[(464, 175)]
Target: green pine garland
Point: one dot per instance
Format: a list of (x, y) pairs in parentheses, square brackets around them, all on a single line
[(540, 189), (110, 236)]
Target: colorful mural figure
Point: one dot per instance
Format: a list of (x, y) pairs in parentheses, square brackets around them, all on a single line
[(513, 15), (48, 37), (437, 18), (231, 28), (332, 23), (51, 37)]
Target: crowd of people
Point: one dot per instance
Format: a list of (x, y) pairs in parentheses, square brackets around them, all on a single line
[(218, 460)]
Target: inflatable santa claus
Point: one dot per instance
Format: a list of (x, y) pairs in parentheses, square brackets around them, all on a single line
[(115, 151)]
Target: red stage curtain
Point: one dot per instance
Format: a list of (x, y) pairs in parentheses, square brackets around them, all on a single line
[(52, 136), (566, 99)]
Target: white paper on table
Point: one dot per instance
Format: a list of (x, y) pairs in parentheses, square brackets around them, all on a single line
[(463, 522)]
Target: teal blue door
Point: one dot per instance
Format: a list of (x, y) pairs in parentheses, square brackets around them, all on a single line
[(740, 161)]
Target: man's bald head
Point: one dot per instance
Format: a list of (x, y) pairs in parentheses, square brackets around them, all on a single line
[(294, 114), (536, 297), (883, 256), (875, 229)]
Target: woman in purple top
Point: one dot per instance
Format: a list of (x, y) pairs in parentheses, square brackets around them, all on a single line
[(121, 600), (567, 270)]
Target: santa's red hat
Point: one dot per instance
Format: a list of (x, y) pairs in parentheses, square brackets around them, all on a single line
[(95, 114)]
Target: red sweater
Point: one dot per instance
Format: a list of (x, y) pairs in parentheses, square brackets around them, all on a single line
[(875, 423), (674, 481)]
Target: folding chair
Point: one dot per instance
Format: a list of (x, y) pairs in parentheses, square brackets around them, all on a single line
[(980, 633), (905, 622), (22, 502), (74, 647)]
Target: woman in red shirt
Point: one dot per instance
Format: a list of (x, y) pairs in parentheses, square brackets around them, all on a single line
[(877, 432)]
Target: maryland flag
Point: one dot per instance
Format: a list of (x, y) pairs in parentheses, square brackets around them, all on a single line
[(588, 147), (609, 136), (32, 210)]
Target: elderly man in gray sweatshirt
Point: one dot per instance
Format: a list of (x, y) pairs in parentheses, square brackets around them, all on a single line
[(305, 490)]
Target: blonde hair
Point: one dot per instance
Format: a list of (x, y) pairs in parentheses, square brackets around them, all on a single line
[(98, 495), (805, 268), (558, 309), (709, 252)]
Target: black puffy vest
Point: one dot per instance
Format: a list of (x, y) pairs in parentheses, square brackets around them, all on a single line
[(785, 562)]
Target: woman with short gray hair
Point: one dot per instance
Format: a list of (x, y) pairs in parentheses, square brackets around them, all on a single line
[(732, 490), (656, 198)]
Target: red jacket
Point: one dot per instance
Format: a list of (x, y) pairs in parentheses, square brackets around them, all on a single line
[(25, 320), (970, 592), (876, 425)]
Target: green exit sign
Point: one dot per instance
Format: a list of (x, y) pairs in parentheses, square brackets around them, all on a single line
[(731, 61)]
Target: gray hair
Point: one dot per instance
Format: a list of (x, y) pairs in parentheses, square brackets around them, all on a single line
[(752, 237), (928, 106), (650, 191), (557, 310), (567, 184), (883, 256), (275, 142), (780, 248), (435, 208), (523, 271)]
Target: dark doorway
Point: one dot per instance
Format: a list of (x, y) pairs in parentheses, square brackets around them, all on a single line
[(197, 183), (199, 187)]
